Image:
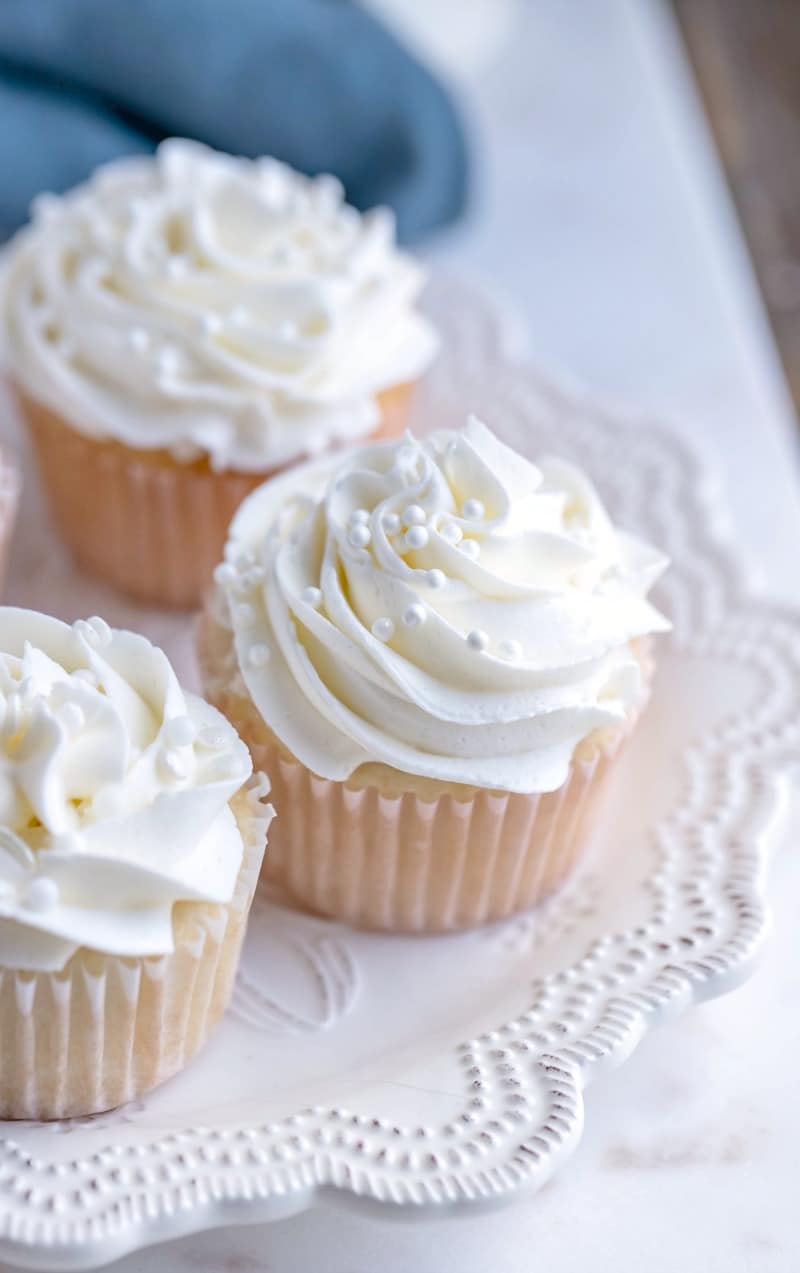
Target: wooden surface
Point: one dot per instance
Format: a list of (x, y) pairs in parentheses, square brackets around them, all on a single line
[(746, 56)]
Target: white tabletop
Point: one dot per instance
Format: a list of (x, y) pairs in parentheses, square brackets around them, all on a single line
[(601, 214)]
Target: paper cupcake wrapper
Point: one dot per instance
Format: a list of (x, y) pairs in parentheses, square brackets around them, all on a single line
[(142, 521), (106, 1029), (9, 498), (407, 862)]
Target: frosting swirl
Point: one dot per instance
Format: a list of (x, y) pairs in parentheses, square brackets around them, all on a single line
[(442, 606), (213, 306), (114, 791)]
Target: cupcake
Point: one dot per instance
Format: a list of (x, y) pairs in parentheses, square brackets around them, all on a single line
[(131, 839), (437, 648), (182, 326)]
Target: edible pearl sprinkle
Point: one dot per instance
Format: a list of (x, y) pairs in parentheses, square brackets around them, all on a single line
[(359, 515), (225, 574), (42, 894), (391, 523), (471, 548), (177, 265), (139, 339), (414, 615), (477, 639), (473, 509), (416, 537), (360, 536), (258, 655), (244, 614), (383, 629), (511, 650), (209, 324), (167, 360), (253, 577), (311, 596), (436, 578), (452, 533), (413, 515), (180, 731)]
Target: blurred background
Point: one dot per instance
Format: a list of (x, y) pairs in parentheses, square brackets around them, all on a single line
[(387, 94)]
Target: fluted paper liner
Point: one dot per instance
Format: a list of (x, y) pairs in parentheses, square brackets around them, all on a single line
[(141, 520), (9, 496), (105, 1029), (425, 860)]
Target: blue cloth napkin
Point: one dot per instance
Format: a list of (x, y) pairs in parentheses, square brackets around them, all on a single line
[(317, 83)]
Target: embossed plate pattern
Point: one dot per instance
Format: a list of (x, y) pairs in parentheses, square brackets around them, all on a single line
[(424, 1075)]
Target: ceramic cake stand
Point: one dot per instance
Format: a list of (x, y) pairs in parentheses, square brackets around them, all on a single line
[(414, 1076)]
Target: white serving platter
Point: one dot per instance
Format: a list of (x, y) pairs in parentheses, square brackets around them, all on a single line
[(421, 1076)]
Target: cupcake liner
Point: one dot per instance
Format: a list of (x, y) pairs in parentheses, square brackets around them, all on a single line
[(150, 526), (9, 497), (105, 1029), (414, 862)]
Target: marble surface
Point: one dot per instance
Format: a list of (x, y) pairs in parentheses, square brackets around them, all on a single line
[(601, 216)]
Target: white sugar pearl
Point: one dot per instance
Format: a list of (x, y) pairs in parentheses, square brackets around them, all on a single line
[(209, 324), (416, 537), (360, 536), (253, 577), (477, 639), (414, 615), (177, 265), (225, 574), (358, 515), (42, 894), (180, 731), (452, 533), (473, 509), (511, 650), (244, 614), (167, 360), (413, 515), (436, 578), (139, 339), (471, 548), (258, 655), (311, 596), (391, 523), (383, 629)]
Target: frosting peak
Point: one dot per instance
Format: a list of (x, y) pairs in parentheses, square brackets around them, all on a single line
[(212, 305), (114, 791), (442, 606)]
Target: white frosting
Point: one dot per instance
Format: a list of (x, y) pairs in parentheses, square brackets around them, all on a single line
[(442, 606), (212, 306), (114, 793)]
